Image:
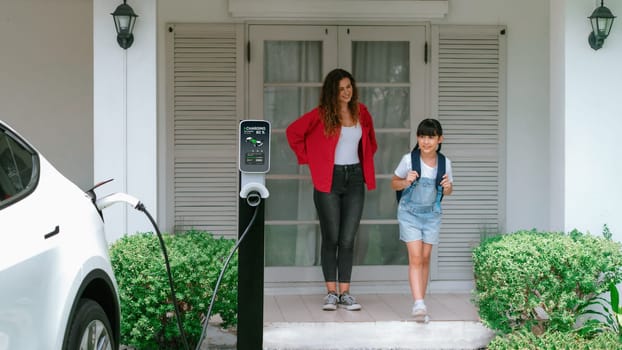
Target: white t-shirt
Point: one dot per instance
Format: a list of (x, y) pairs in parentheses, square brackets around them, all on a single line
[(405, 166)]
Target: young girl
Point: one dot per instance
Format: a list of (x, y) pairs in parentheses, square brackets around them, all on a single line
[(419, 210)]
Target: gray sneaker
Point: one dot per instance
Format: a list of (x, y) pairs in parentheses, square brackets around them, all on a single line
[(348, 302), (330, 302), (420, 312)]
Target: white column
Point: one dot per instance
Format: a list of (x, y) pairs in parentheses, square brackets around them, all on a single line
[(125, 114), (557, 95)]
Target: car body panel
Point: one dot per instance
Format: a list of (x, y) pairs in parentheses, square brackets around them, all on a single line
[(51, 239)]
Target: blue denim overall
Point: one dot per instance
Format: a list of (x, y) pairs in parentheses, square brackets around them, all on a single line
[(419, 211)]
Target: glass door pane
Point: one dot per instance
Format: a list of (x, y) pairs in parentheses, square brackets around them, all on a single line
[(388, 65), (287, 70)]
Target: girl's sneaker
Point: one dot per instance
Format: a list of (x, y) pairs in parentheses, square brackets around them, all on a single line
[(419, 312), (330, 302), (348, 302)]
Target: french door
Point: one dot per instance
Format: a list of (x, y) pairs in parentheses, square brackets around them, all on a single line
[(287, 65)]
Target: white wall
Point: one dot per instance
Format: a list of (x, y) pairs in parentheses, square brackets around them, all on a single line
[(46, 80), (125, 123), (593, 120), (46, 92), (563, 115), (527, 124)]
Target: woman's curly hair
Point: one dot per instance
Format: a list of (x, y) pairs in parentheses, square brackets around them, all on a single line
[(329, 100)]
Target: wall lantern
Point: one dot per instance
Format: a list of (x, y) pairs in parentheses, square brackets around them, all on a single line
[(124, 19), (601, 20)]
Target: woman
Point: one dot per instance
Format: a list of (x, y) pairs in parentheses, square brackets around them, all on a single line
[(337, 140)]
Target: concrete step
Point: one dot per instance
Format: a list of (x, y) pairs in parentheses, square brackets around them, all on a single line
[(402, 335)]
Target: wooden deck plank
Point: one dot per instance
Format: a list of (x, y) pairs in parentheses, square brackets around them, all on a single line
[(401, 304), (271, 310), (377, 308), (459, 306), (293, 308)]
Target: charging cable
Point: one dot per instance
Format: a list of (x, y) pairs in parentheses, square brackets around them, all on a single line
[(254, 204), (142, 208), (253, 200), (136, 204)]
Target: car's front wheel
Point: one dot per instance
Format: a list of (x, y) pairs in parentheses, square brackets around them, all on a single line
[(90, 328)]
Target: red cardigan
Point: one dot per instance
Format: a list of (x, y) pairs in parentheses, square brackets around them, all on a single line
[(307, 139)]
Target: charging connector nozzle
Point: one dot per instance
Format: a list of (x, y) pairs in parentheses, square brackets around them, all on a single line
[(118, 197)]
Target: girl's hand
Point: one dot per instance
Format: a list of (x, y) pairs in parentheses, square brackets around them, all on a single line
[(448, 187), (412, 176)]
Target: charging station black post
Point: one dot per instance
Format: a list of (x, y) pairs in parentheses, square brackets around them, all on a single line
[(254, 163), (250, 278)]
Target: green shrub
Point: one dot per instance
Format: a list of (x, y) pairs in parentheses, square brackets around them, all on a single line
[(196, 259), (524, 340), (539, 280)]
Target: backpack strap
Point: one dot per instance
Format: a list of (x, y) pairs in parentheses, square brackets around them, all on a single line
[(415, 162), (440, 172)]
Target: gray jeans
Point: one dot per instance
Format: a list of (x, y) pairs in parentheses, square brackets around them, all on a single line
[(339, 212)]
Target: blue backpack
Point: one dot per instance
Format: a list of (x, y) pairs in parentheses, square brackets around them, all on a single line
[(415, 160)]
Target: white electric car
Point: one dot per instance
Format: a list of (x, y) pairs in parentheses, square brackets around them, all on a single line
[(57, 288)]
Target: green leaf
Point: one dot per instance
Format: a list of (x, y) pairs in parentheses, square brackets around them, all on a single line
[(615, 298)]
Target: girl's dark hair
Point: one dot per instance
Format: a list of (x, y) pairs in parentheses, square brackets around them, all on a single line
[(329, 100), (430, 127)]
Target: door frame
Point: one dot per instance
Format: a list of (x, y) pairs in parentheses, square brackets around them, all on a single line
[(337, 54)]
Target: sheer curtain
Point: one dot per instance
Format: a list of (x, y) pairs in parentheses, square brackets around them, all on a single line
[(292, 81), (382, 71)]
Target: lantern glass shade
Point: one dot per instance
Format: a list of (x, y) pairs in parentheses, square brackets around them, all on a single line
[(602, 26), (123, 23)]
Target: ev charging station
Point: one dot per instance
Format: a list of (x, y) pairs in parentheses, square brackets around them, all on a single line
[(254, 163)]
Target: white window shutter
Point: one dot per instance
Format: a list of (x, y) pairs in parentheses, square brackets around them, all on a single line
[(468, 94), (206, 95)]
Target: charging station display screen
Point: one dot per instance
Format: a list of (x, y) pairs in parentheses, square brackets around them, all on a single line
[(254, 146)]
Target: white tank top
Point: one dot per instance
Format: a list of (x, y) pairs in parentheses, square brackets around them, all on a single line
[(347, 151)]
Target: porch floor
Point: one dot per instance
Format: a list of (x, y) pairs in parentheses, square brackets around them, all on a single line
[(376, 308), (298, 322)]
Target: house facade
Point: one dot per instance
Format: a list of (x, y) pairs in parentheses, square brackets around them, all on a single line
[(529, 111)]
